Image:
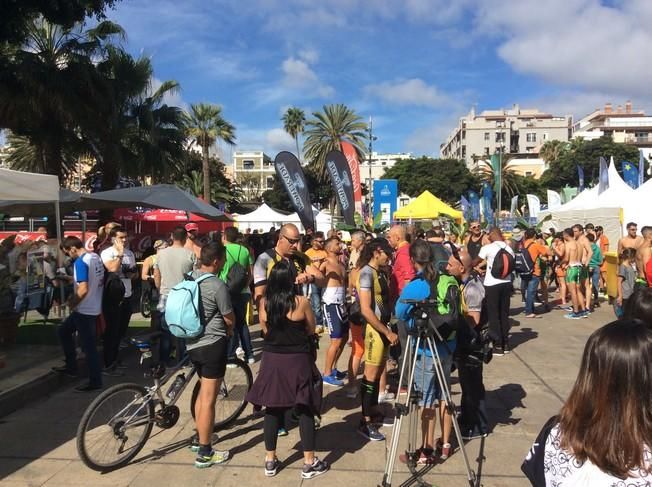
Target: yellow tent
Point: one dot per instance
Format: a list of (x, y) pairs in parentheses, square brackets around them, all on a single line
[(426, 206)]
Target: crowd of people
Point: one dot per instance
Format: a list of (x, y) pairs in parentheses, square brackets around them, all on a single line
[(359, 292)]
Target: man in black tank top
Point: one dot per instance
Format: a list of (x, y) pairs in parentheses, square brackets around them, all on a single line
[(476, 239)]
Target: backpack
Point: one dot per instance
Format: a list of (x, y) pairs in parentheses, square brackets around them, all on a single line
[(114, 289), (446, 291), (183, 312), (503, 264), (238, 276), (523, 263), (440, 256)]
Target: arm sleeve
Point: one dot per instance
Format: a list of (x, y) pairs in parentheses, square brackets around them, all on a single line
[(107, 255), (223, 299), (260, 270), (81, 270)]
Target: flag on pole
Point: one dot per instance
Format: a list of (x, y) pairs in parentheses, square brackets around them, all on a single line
[(534, 205), (474, 202), (580, 175), (641, 168), (630, 174), (466, 208), (554, 199), (497, 170), (487, 199), (514, 206), (604, 176)]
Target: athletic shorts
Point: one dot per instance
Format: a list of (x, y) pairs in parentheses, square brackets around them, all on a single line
[(357, 340), (584, 273), (560, 270), (210, 360), (376, 350), (336, 320), (574, 274), (425, 379)]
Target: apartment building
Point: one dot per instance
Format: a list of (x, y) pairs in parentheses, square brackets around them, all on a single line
[(253, 171), (624, 125), (519, 132), (374, 168)]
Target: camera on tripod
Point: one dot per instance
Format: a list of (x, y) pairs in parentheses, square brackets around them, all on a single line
[(428, 319)]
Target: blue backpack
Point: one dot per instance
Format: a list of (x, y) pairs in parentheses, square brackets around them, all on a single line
[(183, 312)]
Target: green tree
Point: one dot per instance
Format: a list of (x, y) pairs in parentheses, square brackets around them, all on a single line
[(552, 150), (294, 120), (190, 176), (563, 171), (320, 194), (511, 181), (447, 179), (326, 130), (206, 125)]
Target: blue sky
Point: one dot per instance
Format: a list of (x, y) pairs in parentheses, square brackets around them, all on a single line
[(415, 66)]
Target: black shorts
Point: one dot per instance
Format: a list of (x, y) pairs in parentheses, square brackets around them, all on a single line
[(210, 360)]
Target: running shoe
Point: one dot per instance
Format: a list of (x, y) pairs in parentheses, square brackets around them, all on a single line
[(338, 375), (573, 316), (271, 467), (282, 432), (317, 467), (498, 351), (386, 397), (332, 381), (194, 443), (370, 432), (215, 458)]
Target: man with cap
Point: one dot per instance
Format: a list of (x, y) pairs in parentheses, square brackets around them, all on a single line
[(192, 243)]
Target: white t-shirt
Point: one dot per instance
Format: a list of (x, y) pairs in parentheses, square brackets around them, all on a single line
[(562, 469), (128, 259), (88, 268), (487, 253)]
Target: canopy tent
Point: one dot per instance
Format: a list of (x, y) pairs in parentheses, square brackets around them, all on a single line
[(426, 206), (32, 208), (638, 206), (263, 218), (323, 220)]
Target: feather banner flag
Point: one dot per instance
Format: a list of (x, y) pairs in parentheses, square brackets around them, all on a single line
[(630, 174), (604, 176), (534, 205), (474, 203), (580, 176), (641, 168), (554, 199)]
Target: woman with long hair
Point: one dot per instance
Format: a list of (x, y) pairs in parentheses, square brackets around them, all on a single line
[(603, 433), (288, 378), (373, 292)]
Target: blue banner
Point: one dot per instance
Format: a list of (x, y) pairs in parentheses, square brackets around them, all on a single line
[(630, 174), (580, 175), (466, 208), (487, 198), (385, 196), (474, 203)]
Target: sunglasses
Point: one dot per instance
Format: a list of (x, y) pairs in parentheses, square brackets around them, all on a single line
[(291, 241), (475, 227)]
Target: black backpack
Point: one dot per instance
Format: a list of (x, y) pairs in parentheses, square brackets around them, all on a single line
[(523, 263), (238, 276), (503, 264), (114, 289)]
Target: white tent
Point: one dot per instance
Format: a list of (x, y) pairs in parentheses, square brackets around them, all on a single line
[(322, 220), (638, 206), (263, 218), (27, 186)]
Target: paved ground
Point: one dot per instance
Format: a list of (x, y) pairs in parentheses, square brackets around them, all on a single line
[(523, 390)]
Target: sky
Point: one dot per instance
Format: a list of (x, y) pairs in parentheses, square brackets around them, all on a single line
[(414, 66)]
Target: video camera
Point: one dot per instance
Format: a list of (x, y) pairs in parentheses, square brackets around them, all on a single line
[(427, 318)]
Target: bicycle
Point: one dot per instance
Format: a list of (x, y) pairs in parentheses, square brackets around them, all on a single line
[(118, 423), (148, 297)]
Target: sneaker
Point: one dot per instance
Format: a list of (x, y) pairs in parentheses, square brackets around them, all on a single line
[(240, 353), (271, 467), (370, 432), (317, 467), (87, 388), (251, 360), (567, 308), (585, 313), (64, 371), (111, 372), (332, 381), (386, 397), (282, 432), (446, 451), (573, 316), (427, 458), (194, 443), (215, 458), (507, 349), (498, 351), (338, 375)]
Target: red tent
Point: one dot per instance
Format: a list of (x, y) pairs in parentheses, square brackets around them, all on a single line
[(162, 221)]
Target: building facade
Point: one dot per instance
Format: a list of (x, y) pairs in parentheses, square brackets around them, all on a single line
[(518, 132), (624, 125), (253, 171), (374, 168)]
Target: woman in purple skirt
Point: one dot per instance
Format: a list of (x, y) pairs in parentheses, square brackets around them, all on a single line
[(288, 378)]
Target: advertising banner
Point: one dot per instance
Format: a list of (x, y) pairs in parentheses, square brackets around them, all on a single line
[(337, 168), (288, 170), (354, 165), (385, 196)]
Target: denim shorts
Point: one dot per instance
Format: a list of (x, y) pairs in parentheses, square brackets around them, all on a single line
[(425, 379)]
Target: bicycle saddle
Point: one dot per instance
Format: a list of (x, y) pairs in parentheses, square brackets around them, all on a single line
[(145, 339)]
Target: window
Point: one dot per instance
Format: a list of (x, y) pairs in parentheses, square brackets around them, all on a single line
[(531, 137), (270, 182), (529, 173), (463, 151), (487, 136), (545, 136), (529, 149), (247, 164), (486, 151), (500, 136)]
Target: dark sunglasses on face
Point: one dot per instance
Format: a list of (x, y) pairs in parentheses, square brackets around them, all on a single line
[(291, 241)]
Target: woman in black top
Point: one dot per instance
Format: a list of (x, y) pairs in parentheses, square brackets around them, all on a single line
[(288, 378)]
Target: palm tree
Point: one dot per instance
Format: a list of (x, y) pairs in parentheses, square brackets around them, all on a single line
[(510, 179), (294, 120), (205, 125), (327, 129), (551, 150)]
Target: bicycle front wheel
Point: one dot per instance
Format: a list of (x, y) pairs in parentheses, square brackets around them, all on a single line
[(115, 427), (231, 397), (146, 304)]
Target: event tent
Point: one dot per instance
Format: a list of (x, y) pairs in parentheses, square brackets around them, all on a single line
[(426, 206), (263, 218), (33, 208)]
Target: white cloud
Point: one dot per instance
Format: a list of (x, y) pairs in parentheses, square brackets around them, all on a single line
[(277, 140), (271, 141), (411, 92), (310, 56), (299, 75)]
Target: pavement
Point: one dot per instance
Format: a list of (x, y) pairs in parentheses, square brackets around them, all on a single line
[(524, 389)]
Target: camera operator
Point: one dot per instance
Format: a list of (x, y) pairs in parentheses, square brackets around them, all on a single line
[(425, 379), (472, 347), (117, 259)]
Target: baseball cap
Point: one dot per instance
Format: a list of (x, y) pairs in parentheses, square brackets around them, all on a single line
[(190, 227), (517, 234), (160, 244)]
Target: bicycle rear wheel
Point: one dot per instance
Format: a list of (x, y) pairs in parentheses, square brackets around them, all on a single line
[(115, 427), (231, 397), (146, 303)]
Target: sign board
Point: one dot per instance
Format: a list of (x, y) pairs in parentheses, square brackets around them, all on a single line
[(385, 198)]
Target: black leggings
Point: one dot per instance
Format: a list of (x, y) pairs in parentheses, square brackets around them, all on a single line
[(275, 417)]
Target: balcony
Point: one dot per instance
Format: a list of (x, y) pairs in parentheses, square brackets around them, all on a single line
[(630, 139)]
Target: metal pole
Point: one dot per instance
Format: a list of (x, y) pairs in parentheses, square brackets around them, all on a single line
[(371, 148)]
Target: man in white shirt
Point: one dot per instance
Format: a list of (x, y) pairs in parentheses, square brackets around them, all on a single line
[(497, 291), (118, 260), (86, 305)]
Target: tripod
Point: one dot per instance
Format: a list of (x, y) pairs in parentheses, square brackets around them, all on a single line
[(422, 333)]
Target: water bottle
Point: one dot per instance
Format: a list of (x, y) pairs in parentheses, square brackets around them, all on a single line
[(176, 386)]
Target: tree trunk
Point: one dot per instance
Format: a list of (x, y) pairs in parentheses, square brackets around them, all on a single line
[(206, 175), (296, 140)]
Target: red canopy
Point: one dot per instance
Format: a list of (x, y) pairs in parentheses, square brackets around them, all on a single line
[(159, 215)]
